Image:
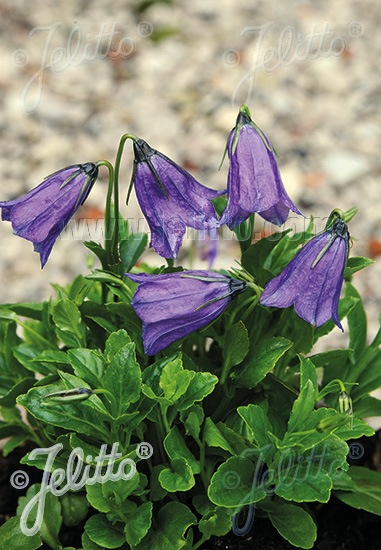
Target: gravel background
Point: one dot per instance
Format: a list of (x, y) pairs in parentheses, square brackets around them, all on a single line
[(76, 75)]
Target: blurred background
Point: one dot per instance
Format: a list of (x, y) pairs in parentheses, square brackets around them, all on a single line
[(76, 75)]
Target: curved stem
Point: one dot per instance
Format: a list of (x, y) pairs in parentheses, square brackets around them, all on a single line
[(108, 210), (115, 235)]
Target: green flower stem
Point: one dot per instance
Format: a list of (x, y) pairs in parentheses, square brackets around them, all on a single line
[(115, 235), (163, 409), (170, 262), (248, 233), (108, 210), (111, 398), (203, 475)]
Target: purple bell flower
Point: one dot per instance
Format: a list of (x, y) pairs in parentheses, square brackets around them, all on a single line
[(254, 182), (175, 304), (170, 199), (41, 215), (313, 279)]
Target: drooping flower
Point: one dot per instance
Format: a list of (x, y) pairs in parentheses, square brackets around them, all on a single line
[(174, 305), (313, 279), (171, 199), (254, 181), (41, 215)]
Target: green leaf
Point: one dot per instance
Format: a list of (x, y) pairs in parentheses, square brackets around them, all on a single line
[(103, 533), (157, 493), (214, 438), (192, 419), (217, 522), (138, 523), (88, 544), (367, 493), (254, 259), (292, 523), (115, 342), (74, 508), (357, 324), (178, 478), (69, 327), (174, 380), (261, 359), (9, 399), (308, 373), (175, 447), (12, 538), (302, 408), (369, 378), (236, 346), (98, 250), (131, 249), (304, 483), (87, 364), (232, 484), (356, 264), (368, 406), (11, 444), (259, 426), (69, 416), (173, 520), (123, 378), (201, 385), (51, 521)]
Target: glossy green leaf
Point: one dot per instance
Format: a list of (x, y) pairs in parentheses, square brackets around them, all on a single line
[(260, 360), (177, 478), (103, 533), (173, 520), (138, 523), (233, 484), (12, 538), (123, 377), (201, 385), (367, 492), (292, 522)]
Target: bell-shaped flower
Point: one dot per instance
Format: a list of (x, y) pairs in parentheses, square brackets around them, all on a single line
[(41, 215), (313, 279), (174, 305), (254, 182), (170, 199)]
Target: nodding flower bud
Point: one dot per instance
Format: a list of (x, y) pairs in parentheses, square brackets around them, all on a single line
[(67, 396), (331, 423), (175, 304), (345, 403)]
